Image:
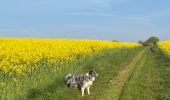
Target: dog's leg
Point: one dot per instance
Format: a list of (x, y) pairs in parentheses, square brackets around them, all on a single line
[(82, 91), (88, 90)]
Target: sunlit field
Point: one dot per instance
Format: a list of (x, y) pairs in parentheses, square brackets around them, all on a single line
[(34, 69), (31, 63)]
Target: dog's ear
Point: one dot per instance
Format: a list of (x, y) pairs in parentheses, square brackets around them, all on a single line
[(91, 71)]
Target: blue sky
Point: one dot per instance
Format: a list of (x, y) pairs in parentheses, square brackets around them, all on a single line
[(124, 20)]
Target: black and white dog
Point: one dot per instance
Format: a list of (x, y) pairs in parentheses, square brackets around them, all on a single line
[(81, 81)]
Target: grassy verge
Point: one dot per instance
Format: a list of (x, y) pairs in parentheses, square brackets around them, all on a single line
[(48, 84), (162, 67)]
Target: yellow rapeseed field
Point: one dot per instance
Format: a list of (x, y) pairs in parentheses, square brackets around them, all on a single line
[(165, 47), (16, 54)]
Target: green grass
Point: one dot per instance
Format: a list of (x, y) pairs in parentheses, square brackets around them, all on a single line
[(150, 79), (162, 66), (124, 74), (119, 82), (141, 85)]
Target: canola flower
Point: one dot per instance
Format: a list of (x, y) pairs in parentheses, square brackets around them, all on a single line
[(16, 54), (165, 47)]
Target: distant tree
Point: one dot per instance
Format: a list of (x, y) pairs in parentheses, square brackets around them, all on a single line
[(152, 41), (115, 41), (140, 42)]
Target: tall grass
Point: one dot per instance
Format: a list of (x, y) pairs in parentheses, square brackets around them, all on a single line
[(162, 66)]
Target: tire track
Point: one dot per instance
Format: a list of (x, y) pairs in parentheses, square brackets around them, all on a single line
[(120, 81)]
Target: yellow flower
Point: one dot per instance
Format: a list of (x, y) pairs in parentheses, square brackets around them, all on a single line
[(165, 47), (19, 54)]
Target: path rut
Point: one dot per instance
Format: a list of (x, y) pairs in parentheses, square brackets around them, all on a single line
[(123, 76)]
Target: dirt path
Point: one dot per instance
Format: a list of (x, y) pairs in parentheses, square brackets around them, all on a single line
[(136, 81), (120, 81)]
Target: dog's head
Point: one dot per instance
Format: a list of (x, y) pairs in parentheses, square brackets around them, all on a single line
[(93, 73)]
